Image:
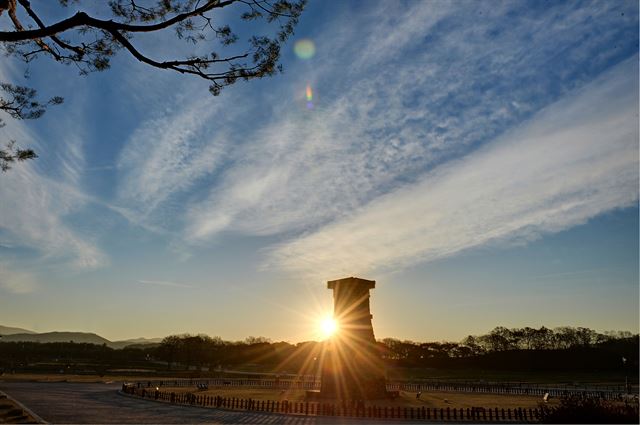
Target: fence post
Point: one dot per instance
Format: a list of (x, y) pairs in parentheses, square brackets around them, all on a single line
[(509, 413)]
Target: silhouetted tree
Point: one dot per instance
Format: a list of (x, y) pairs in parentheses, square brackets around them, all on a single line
[(89, 41), (256, 340), (474, 345), (499, 339), (542, 338), (169, 349), (20, 103)]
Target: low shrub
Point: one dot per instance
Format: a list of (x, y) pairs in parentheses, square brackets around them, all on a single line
[(576, 409)]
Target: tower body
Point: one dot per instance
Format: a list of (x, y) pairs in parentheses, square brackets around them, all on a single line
[(352, 368)]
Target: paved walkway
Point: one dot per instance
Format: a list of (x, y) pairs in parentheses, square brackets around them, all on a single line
[(97, 403)]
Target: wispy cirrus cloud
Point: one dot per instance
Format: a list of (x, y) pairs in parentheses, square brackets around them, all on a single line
[(168, 153), (574, 160), (38, 196), (33, 213), (394, 102)]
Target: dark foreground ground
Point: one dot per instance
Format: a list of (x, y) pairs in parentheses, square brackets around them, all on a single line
[(99, 403)]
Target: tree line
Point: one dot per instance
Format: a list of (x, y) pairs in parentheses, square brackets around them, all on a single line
[(505, 339), (565, 348), (562, 348)]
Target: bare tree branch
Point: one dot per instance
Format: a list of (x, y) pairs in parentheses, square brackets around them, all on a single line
[(89, 43)]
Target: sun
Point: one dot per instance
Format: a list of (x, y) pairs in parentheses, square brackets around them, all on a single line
[(328, 327)]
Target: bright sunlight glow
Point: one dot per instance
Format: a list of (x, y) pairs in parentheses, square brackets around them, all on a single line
[(328, 326)]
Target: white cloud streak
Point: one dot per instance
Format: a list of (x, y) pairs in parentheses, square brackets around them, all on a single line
[(574, 160)]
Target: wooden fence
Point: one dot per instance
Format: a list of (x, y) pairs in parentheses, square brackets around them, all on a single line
[(604, 392), (355, 409)]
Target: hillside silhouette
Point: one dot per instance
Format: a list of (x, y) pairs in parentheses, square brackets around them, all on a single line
[(8, 330), (8, 334)]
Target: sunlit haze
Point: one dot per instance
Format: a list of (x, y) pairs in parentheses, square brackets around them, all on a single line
[(477, 159)]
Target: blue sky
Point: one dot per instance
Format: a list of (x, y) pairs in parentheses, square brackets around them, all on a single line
[(479, 160)]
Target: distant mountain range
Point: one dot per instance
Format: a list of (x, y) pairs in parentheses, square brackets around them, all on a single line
[(7, 330), (9, 334)]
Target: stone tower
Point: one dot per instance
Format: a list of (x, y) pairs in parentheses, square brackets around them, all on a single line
[(352, 368)]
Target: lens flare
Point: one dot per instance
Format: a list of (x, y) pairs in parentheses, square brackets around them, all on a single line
[(309, 96), (304, 49)]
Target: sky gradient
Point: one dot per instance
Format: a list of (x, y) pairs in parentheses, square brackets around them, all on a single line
[(479, 160)]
